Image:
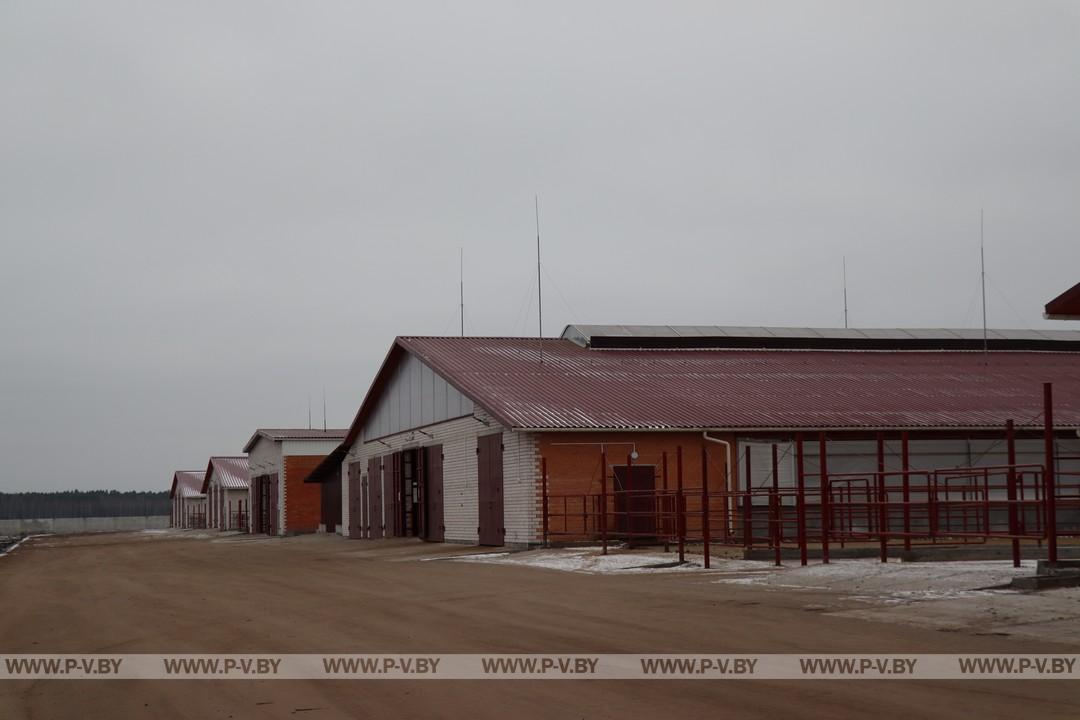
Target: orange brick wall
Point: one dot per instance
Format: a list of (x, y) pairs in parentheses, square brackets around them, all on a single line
[(303, 510), (573, 468)]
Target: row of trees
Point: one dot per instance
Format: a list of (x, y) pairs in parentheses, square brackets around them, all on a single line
[(80, 503)]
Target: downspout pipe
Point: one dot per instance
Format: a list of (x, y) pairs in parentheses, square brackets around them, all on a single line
[(729, 510), (727, 448)]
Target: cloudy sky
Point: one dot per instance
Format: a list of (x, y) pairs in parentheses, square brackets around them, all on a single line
[(209, 211)]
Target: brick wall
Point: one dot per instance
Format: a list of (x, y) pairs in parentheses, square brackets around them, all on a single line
[(302, 501), (574, 470)]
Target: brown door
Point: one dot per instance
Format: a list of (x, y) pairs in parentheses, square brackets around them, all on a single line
[(272, 483), (635, 501), (375, 516), (489, 465), (433, 494), (356, 500), (393, 498)]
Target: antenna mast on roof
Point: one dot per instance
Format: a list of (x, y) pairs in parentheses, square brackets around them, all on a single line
[(324, 408), (461, 287), (309, 411), (844, 261), (982, 265), (539, 292)]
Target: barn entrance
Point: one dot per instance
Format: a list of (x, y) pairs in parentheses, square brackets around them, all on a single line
[(432, 494), (489, 488), (401, 495), (635, 501), (265, 504)]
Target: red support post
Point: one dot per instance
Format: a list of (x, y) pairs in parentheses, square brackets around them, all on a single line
[(747, 507), (905, 459), (1014, 531), (883, 514), (628, 503), (544, 489), (823, 490), (603, 500), (775, 507), (705, 502), (1049, 484), (800, 499), (680, 506), (660, 509)]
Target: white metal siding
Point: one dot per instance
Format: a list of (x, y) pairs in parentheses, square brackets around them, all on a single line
[(416, 396)]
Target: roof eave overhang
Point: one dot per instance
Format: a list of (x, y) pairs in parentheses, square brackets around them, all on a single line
[(254, 439), (789, 428)]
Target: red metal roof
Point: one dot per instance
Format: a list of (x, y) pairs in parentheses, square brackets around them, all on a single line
[(579, 388), (278, 434), (1065, 306), (187, 482), (230, 472)]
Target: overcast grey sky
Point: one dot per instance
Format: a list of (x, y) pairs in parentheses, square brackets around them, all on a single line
[(209, 210)]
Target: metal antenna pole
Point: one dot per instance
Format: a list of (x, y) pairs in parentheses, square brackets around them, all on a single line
[(461, 287), (309, 411), (324, 408), (844, 260), (982, 265), (539, 291)]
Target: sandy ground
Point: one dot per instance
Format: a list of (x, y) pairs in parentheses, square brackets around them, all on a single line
[(204, 592)]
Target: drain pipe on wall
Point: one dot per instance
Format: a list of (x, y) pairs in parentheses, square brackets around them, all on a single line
[(732, 508)]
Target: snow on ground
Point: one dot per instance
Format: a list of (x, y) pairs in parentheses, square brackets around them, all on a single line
[(590, 560), (861, 580), (895, 582)]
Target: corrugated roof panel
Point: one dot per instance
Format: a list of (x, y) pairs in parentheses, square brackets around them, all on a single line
[(188, 483), (665, 388), (230, 473)]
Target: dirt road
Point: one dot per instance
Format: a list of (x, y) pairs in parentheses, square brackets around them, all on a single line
[(156, 593)]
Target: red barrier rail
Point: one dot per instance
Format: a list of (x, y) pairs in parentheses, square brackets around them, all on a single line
[(917, 507)]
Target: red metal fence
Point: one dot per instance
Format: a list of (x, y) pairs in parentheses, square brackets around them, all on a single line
[(1014, 502)]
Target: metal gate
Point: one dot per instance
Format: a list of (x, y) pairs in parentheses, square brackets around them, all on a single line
[(489, 465), (434, 530), (356, 500), (375, 510)]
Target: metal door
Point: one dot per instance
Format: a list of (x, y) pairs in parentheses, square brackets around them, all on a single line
[(356, 500), (489, 465), (434, 530), (272, 486), (635, 501), (375, 516)]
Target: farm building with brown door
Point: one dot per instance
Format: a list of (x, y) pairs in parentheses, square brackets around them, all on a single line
[(279, 461), (188, 500), (503, 441), (226, 486)]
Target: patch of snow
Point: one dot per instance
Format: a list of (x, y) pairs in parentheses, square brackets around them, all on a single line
[(894, 582), (589, 560), (11, 548)]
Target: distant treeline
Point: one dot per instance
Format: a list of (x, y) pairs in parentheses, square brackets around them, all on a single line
[(79, 503)]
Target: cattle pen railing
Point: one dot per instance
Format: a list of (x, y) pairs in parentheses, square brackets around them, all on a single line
[(905, 508)]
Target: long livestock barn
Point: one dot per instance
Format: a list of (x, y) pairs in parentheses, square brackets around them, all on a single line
[(226, 487), (279, 461), (516, 441), (188, 500)]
